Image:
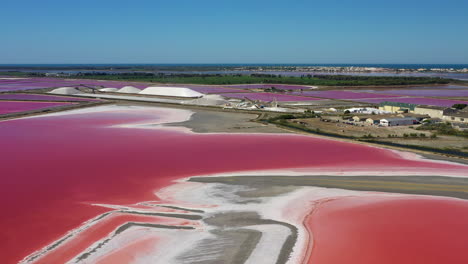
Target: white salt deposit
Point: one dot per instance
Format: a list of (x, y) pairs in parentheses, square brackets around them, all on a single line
[(128, 89), (210, 99), (172, 91), (65, 90), (109, 89)]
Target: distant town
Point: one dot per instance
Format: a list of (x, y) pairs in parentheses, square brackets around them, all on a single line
[(351, 69)]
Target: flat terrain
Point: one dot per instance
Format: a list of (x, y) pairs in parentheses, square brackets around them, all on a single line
[(423, 185), (205, 121), (381, 133)]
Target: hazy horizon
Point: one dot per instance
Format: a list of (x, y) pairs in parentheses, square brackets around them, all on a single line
[(231, 63)]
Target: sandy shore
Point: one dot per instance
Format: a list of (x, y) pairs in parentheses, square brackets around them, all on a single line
[(423, 185), (206, 121)]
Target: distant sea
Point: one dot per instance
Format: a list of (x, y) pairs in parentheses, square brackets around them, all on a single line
[(391, 66)]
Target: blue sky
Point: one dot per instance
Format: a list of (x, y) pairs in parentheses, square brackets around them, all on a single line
[(254, 31)]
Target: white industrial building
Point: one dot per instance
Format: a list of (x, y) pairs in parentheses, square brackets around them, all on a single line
[(366, 110), (456, 116), (398, 121), (432, 111)]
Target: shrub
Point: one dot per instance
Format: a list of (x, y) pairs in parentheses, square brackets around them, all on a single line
[(459, 106)]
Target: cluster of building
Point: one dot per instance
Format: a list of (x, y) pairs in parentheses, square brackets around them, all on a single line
[(389, 120), (350, 69), (403, 114), (409, 114), (448, 114)]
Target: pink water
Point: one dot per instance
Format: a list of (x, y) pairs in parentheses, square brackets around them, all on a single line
[(41, 97), (416, 100), (54, 167), (266, 97), (8, 107), (342, 94), (264, 86), (426, 92), (384, 230)]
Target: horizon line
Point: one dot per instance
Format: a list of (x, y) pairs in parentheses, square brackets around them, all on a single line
[(229, 63)]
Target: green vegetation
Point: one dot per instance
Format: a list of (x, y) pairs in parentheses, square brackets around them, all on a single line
[(219, 79), (459, 106), (368, 136), (274, 90), (225, 79), (284, 117), (20, 74), (444, 129)]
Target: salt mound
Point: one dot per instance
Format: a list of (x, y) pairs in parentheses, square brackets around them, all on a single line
[(65, 90), (109, 89), (128, 89), (172, 91), (211, 99)]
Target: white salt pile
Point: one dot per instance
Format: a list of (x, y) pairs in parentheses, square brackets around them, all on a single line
[(128, 89), (108, 90), (65, 90), (211, 99), (172, 91)]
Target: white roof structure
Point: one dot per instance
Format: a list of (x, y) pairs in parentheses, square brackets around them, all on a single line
[(172, 91), (128, 89), (367, 110), (65, 90), (109, 89)]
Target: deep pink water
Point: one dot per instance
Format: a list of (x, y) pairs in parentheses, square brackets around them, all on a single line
[(53, 168), (7, 107), (41, 97)]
